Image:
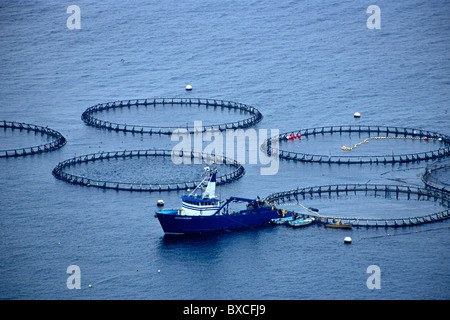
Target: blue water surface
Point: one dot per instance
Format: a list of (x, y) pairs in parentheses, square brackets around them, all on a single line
[(303, 64)]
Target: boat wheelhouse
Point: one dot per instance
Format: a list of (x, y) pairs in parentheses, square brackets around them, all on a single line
[(205, 204)]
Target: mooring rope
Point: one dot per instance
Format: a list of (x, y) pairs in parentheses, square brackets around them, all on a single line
[(381, 138), (307, 209)]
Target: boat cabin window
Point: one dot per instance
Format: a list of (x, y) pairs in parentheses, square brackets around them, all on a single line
[(209, 203)]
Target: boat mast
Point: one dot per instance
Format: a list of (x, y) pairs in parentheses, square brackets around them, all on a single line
[(211, 187), (210, 192)]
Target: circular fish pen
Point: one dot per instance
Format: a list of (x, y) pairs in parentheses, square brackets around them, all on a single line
[(365, 135), (57, 139), (89, 115), (437, 176), (394, 192), (61, 170)]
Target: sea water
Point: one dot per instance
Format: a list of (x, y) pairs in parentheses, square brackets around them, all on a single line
[(303, 64)]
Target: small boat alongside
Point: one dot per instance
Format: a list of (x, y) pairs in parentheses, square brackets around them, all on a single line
[(301, 222), (281, 220), (339, 225)]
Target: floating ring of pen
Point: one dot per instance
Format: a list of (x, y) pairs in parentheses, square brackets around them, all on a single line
[(388, 191), (61, 173), (57, 139), (89, 118), (436, 176), (374, 132)]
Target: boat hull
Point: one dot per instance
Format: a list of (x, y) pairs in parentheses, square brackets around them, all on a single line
[(339, 226), (300, 222), (282, 220), (174, 223)]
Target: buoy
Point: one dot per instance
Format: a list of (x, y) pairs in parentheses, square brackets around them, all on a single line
[(90, 286), (159, 271), (160, 202), (347, 240), (357, 115), (188, 87), (425, 138)]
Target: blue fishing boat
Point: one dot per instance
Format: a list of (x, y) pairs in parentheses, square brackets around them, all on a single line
[(201, 213)]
